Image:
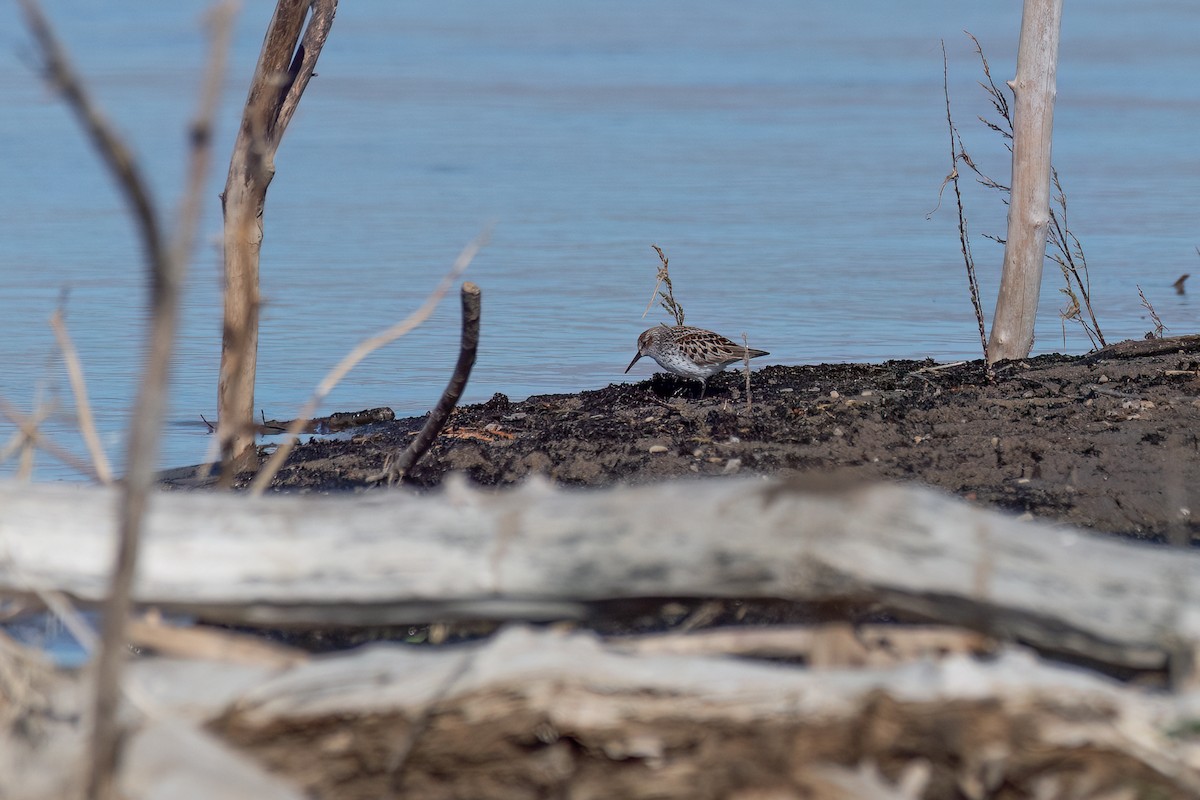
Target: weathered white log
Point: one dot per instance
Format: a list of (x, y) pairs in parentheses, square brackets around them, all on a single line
[(541, 552), (1034, 91), (532, 713)]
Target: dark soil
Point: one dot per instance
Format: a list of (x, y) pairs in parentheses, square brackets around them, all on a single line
[(1107, 441)]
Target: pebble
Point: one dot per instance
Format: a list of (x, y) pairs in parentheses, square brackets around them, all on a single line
[(658, 448), (834, 395)]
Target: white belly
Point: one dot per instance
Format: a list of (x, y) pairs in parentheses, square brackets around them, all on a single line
[(686, 368)]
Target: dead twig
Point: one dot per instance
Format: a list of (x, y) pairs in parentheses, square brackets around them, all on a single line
[(957, 151), (28, 437), (364, 348), (210, 644), (83, 408), (471, 299), (1068, 254), (746, 366), (166, 267), (1158, 323)]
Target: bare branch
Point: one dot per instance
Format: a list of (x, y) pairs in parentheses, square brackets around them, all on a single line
[(449, 399), (28, 436), (83, 408), (165, 270), (364, 348), (305, 61)]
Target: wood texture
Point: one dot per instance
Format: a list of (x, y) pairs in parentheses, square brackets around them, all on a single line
[(533, 713), (285, 65), (541, 553), (1034, 90)]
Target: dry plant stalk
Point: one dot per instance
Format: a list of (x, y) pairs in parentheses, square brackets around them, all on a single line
[(363, 349), (666, 296), (1066, 251), (1068, 254), (83, 408), (1158, 323), (166, 266), (746, 369), (957, 152)]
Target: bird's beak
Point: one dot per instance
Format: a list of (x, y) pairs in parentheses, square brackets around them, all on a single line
[(631, 363)]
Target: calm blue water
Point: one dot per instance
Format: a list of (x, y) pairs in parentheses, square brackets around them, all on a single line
[(784, 154)]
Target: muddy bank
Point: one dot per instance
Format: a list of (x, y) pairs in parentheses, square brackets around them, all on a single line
[(1106, 441)]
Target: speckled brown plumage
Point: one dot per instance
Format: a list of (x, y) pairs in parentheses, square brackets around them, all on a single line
[(690, 352)]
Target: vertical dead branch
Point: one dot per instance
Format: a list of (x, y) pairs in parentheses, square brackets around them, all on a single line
[(364, 348), (1029, 214), (1064, 247), (471, 300), (283, 71), (166, 270)]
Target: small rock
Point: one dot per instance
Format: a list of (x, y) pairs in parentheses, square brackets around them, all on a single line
[(658, 448), (733, 465), (838, 432), (834, 395), (1102, 379)]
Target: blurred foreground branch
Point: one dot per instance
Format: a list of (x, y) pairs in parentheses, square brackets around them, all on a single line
[(166, 267)]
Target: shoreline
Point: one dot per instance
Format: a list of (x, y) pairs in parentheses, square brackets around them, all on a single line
[(1099, 440)]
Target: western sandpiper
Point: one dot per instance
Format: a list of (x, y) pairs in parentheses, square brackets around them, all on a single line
[(691, 352)]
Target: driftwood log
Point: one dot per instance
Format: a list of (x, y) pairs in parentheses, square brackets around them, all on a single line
[(531, 714), (540, 553), (873, 712)]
